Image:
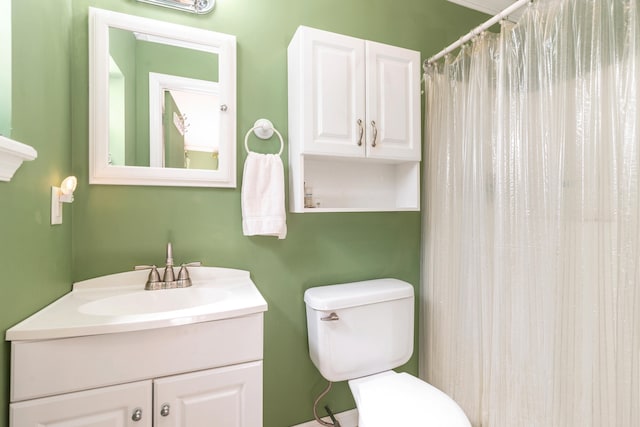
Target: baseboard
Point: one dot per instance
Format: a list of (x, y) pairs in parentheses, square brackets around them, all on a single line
[(346, 419)]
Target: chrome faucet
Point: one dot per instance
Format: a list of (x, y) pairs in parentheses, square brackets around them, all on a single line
[(169, 280), (168, 269)]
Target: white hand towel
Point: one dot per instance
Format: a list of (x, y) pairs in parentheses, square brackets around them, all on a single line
[(263, 211)]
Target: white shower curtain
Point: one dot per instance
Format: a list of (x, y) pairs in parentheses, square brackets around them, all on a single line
[(531, 264)]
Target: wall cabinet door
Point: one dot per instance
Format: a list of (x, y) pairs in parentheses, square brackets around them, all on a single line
[(117, 406), (328, 69), (393, 102), (353, 98), (221, 397), (354, 124)]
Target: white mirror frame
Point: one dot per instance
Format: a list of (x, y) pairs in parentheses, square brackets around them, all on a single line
[(224, 45)]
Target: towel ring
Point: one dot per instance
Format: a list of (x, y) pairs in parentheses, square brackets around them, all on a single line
[(263, 129)]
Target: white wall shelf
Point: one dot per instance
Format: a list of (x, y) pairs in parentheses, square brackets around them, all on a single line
[(356, 185), (12, 154)]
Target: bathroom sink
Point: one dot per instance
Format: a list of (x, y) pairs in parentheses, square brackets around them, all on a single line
[(148, 302), (118, 303)]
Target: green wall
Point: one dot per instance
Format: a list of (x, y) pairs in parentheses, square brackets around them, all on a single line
[(35, 256), (5, 67), (116, 227)]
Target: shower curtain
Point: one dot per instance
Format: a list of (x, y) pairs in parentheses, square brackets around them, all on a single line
[(530, 300)]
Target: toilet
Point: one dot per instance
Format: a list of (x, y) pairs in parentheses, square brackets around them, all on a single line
[(359, 332)]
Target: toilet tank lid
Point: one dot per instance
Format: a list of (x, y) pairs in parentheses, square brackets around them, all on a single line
[(334, 297)]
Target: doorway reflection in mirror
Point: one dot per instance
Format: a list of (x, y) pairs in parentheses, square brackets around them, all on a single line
[(190, 120)]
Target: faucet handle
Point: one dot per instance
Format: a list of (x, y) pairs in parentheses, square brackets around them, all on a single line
[(184, 280), (153, 281), (154, 276), (183, 274)]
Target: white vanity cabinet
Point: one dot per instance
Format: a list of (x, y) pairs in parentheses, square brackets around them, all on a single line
[(225, 397), (354, 123), (110, 353), (103, 407)]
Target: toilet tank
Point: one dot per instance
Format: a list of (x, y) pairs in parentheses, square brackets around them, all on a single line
[(361, 328)]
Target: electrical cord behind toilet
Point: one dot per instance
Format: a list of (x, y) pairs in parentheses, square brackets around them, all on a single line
[(335, 422)]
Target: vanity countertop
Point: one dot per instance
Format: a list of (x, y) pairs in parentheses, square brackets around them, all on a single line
[(119, 303)]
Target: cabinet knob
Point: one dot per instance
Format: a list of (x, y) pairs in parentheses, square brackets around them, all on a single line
[(361, 132), (375, 133), (164, 410), (224, 107), (137, 414)]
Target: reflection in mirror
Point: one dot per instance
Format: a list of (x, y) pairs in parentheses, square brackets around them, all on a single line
[(168, 92), (194, 119), (184, 116)]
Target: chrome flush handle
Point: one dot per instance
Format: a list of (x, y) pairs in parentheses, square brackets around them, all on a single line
[(331, 317)]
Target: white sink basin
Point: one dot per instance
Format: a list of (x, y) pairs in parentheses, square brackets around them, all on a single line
[(119, 303), (148, 302)]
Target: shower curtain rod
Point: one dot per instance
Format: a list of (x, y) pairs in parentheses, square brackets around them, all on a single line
[(477, 31)]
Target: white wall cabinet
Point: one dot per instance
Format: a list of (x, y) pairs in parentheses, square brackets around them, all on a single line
[(354, 123)]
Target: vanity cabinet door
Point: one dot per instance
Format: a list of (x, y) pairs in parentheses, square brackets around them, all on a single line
[(223, 397), (118, 406)]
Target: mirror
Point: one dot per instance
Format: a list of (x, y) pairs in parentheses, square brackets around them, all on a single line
[(162, 103)]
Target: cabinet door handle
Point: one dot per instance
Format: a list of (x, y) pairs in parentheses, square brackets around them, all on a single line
[(137, 415), (361, 132), (164, 410), (375, 133)]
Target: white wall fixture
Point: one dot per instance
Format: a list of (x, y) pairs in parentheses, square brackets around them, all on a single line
[(12, 154), (60, 195), (104, 141), (263, 128), (194, 6), (354, 124)]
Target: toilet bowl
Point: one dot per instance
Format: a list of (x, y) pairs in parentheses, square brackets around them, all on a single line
[(400, 399), (359, 332)]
